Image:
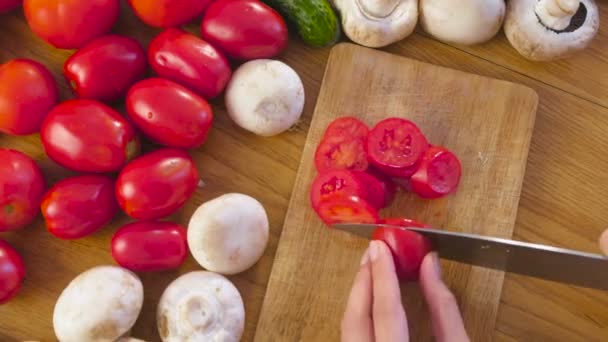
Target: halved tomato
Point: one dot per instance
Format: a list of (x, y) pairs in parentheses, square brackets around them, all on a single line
[(342, 209), (394, 145), (408, 248), (343, 146), (438, 175), (336, 182)]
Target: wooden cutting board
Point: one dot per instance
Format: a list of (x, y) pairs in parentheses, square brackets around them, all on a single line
[(488, 123)]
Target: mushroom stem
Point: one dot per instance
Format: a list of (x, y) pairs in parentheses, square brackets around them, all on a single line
[(556, 14)]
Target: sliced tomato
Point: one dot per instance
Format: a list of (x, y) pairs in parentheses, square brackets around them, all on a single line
[(336, 182), (342, 209), (408, 248), (438, 175), (343, 146), (403, 172), (389, 186), (376, 194), (395, 143)]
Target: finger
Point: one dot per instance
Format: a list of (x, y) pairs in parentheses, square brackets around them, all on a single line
[(445, 315), (604, 242), (357, 323), (390, 323)]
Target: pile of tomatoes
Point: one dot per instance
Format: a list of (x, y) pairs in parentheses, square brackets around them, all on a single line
[(89, 136), (360, 170)]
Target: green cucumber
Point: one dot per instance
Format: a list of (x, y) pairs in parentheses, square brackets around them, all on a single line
[(315, 20)]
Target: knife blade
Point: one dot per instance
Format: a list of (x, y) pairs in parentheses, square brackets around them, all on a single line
[(529, 259)]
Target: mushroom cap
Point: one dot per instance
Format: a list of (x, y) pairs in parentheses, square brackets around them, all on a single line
[(100, 304), (201, 306), (536, 42), (228, 234), (265, 97), (377, 23), (464, 22)]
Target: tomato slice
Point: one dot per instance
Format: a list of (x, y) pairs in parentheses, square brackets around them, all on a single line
[(438, 175), (344, 209), (343, 146), (336, 182), (403, 172), (376, 193), (408, 249), (395, 143), (403, 222)]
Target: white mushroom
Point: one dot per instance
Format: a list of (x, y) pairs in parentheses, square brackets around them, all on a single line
[(544, 30), (228, 234), (265, 97), (100, 304), (377, 23), (201, 306), (463, 22)]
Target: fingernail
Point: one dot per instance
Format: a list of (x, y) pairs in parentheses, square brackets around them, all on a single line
[(436, 264), (365, 257), (373, 250)]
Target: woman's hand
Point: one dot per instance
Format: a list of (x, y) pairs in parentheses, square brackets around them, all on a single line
[(374, 311), (604, 242)]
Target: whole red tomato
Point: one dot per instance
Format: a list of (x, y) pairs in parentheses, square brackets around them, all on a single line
[(12, 272), (189, 60), (156, 184), (105, 68), (168, 113), (168, 13), (79, 206), (21, 189), (150, 246), (88, 136), (244, 29), (27, 93), (70, 24), (7, 5)]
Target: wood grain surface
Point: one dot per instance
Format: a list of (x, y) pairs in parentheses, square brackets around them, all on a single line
[(487, 123), (563, 200)]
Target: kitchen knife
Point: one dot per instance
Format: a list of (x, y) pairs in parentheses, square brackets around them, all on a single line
[(530, 259)]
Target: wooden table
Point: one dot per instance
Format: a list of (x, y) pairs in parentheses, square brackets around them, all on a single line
[(564, 199)]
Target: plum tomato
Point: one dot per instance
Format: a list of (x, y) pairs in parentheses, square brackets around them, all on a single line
[(7, 5), (70, 24), (105, 68), (12, 272), (169, 113), (156, 184), (395, 144), (334, 182), (244, 29), (27, 93), (88, 136), (190, 61), (388, 185), (79, 206), (438, 175), (408, 249), (343, 146), (168, 13), (21, 189), (150, 246), (346, 209)]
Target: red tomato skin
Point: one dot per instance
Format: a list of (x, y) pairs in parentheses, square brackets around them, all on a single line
[(27, 93), (88, 136), (190, 61), (169, 113), (346, 209), (408, 249), (106, 67), (149, 246), (79, 206), (168, 13), (22, 186), (12, 272), (70, 24), (156, 184), (346, 126), (336, 182), (438, 175), (376, 195), (389, 186), (8, 5), (244, 29)]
